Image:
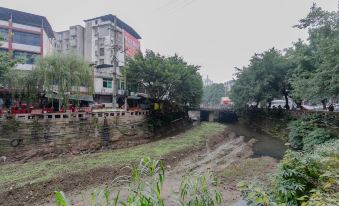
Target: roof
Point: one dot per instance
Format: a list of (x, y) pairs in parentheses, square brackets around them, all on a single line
[(121, 24), (29, 19)]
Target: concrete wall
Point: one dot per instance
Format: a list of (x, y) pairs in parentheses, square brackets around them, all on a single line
[(60, 129)]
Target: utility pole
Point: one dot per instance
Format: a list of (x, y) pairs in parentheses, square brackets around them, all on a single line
[(115, 64)]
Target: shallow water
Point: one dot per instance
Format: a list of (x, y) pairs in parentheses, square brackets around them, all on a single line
[(266, 145)]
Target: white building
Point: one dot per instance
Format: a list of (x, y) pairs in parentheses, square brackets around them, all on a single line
[(71, 41), (25, 34)]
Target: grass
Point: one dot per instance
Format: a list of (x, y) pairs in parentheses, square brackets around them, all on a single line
[(249, 169), (20, 174)]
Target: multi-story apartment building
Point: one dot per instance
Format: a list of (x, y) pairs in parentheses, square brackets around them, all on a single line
[(25, 34), (99, 39), (100, 46), (71, 41), (96, 43)]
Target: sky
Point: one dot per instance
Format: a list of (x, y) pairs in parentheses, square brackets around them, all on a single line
[(218, 35)]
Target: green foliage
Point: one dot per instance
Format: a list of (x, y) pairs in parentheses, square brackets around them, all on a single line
[(145, 186), (165, 78), (316, 137), (263, 80), (306, 71), (254, 194), (307, 132), (64, 73), (213, 93), (307, 179), (317, 63), (6, 63), (199, 190)]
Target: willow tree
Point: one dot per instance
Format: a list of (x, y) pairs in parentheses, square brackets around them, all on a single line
[(61, 75)]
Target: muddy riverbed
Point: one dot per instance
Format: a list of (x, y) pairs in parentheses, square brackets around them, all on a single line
[(239, 153)]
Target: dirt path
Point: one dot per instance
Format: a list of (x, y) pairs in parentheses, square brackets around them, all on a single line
[(227, 155)]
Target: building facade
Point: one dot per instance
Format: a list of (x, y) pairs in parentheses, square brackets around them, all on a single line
[(97, 44), (100, 48), (71, 41), (228, 86), (25, 35)]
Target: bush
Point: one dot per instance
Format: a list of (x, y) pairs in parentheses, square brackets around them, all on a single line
[(308, 179), (298, 130), (199, 190), (316, 137), (307, 132)]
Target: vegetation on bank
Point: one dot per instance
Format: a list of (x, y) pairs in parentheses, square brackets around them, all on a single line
[(307, 176), (303, 178), (145, 188), (20, 174)]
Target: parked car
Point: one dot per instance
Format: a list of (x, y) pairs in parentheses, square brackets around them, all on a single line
[(281, 103)]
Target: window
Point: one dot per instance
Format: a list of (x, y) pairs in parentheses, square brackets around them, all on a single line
[(101, 61), (29, 57), (26, 38), (3, 34), (107, 83), (102, 52), (122, 85), (3, 50)]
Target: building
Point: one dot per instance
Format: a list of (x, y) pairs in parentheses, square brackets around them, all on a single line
[(25, 34), (99, 40), (228, 86), (100, 48), (97, 44), (207, 81), (71, 41)]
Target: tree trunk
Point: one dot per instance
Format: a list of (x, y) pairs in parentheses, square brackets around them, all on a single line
[(324, 103), (286, 102), (269, 104)]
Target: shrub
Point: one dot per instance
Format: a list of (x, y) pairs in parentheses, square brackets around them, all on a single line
[(308, 179), (307, 132), (199, 190), (316, 137), (298, 130)]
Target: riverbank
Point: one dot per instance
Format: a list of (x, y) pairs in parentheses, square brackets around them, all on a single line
[(27, 183), (228, 155), (207, 147)]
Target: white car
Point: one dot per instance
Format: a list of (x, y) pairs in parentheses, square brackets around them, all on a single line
[(281, 103)]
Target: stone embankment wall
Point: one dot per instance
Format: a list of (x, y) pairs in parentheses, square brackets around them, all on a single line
[(68, 132), (276, 123)]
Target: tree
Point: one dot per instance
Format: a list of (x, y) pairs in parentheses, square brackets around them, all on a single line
[(264, 79), (165, 78), (61, 75), (213, 94), (6, 63), (317, 75)]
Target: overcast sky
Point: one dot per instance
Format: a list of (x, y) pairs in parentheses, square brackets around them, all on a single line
[(216, 34)]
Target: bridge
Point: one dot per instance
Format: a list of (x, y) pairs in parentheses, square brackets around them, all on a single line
[(215, 113)]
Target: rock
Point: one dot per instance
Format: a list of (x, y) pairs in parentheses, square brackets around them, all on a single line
[(168, 166), (3, 159)]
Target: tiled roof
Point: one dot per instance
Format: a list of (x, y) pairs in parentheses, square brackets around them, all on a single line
[(24, 18), (121, 24)]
